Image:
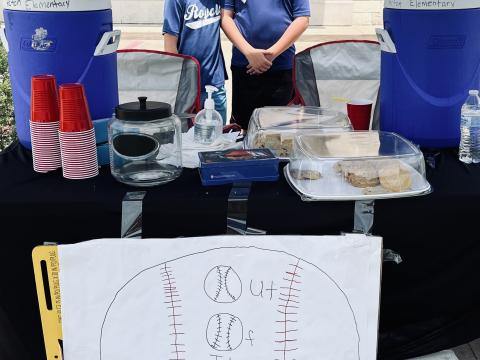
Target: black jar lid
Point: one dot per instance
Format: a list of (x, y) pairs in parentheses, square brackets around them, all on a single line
[(143, 110)]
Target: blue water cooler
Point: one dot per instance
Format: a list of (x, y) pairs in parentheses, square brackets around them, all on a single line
[(73, 40), (430, 59)]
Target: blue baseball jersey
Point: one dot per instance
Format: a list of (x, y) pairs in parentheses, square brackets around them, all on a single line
[(196, 23), (263, 22)]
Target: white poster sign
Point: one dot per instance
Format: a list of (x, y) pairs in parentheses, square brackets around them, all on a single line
[(230, 298)]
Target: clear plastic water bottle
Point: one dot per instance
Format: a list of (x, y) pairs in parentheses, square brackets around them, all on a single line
[(470, 129)]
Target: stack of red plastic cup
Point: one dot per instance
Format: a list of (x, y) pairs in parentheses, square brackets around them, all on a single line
[(44, 124), (77, 135)]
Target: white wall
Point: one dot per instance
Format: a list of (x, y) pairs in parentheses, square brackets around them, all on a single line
[(324, 12), (367, 12), (138, 11)]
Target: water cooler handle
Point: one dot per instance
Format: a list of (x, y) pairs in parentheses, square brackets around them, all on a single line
[(386, 42), (3, 38), (109, 43)]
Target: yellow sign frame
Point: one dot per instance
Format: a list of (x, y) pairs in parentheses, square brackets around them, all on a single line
[(46, 269)]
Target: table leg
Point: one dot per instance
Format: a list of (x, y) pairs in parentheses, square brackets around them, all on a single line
[(132, 210), (237, 214), (364, 216)]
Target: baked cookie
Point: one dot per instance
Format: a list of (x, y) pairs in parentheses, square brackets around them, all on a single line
[(259, 141), (273, 141), (395, 177), (287, 147), (306, 174), (361, 174)]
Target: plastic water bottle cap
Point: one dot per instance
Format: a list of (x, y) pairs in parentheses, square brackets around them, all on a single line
[(473, 92)]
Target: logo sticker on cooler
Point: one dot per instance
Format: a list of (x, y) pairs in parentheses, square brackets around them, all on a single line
[(442, 42), (40, 41)]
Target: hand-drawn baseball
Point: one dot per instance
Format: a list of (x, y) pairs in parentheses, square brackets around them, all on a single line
[(193, 308), (223, 285), (224, 332)]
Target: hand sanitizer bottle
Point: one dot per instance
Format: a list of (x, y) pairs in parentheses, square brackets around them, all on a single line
[(208, 122)]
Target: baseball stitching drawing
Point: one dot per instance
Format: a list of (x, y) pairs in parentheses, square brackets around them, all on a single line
[(223, 285), (193, 308), (289, 299), (173, 302), (224, 332)]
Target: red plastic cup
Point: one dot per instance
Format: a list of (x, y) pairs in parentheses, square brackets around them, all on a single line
[(360, 113), (79, 154), (45, 146), (44, 99), (77, 135), (74, 110)]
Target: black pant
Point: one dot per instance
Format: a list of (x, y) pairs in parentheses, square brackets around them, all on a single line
[(249, 92)]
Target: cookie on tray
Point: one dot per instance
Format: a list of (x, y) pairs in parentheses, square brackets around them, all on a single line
[(273, 141), (287, 146), (394, 176), (306, 174), (259, 141), (360, 174)]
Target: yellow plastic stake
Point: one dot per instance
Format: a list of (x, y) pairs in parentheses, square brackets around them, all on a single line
[(46, 268)]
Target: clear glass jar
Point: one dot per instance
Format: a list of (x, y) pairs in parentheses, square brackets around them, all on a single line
[(145, 144)]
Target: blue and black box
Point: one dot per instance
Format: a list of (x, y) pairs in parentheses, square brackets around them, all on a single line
[(232, 166)]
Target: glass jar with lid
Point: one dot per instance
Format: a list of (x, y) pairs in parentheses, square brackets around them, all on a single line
[(145, 143)]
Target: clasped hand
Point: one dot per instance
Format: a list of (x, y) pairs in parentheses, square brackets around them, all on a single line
[(259, 61)]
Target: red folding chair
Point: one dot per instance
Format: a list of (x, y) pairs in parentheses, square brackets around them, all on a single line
[(331, 73)]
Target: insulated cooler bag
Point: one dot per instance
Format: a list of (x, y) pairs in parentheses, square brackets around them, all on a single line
[(73, 40)]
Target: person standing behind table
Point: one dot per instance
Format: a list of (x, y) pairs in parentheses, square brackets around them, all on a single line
[(263, 33), (192, 27)]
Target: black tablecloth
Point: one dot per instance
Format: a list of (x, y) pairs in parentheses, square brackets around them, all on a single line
[(431, 301)]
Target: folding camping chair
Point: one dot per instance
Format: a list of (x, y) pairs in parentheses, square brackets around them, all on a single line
[(331, 73), (161, 76)]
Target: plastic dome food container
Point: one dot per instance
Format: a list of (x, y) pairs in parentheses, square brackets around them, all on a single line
[(275, 128), (145, 144), (365, 165)]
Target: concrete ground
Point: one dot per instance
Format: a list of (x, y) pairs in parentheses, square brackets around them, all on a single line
[(150, 37)]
